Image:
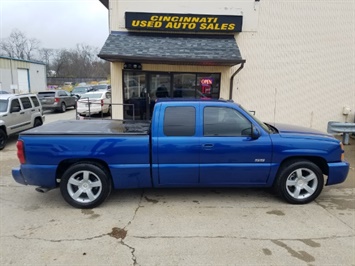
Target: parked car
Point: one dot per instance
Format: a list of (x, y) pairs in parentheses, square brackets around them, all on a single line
[(57, 100), (4, 92), (94, 102), (18, 113), (68, 86), (79, 90)]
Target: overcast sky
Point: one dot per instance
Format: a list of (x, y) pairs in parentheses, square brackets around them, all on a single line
[(56, 23)]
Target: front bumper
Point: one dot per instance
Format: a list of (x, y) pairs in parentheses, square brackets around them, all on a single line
[(337, 172)]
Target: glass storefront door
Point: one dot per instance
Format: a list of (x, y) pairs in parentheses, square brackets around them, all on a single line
[(141, 89), (134, 95)]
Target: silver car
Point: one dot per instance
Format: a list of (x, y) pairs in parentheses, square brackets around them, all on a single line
[(18, 112), (57, 100)]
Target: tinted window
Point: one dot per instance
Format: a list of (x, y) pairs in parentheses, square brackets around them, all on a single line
[(62, 93), (15, 105), (46, 94), (35, 101), (3, 105), (221, 121), (26, 103), (179, 121)]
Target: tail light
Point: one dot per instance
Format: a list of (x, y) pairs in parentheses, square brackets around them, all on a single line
[(102, 102), (21, 151), (56, 100)]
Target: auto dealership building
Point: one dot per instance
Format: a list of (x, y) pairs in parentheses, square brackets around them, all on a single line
[(289, 61)]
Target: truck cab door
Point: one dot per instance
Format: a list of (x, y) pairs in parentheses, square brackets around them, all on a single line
[(230, 154), (176, 148)]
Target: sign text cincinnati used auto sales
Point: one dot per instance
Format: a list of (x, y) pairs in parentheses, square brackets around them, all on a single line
[(183, 22)]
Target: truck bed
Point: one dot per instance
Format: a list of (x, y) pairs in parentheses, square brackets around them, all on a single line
[(91, 127)]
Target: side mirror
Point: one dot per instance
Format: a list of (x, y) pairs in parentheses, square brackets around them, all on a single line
[(255, 134)]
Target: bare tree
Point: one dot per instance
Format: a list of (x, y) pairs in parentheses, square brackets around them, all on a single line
[(19, 46), (81, 62), (45, 55)]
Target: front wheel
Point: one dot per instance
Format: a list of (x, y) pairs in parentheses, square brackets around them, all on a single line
[(3, 138), (85, 185), (299, 182)]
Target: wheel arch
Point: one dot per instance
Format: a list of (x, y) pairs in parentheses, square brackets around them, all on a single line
[(3, 127), (319, 161), (65, 164)]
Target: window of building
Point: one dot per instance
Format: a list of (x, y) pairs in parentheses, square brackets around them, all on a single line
[(142, 88), (200, 85), (222, 121), (180, 121)]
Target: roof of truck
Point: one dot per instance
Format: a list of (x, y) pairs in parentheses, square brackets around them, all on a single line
[(192, 100)]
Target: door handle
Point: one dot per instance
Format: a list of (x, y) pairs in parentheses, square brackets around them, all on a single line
[(21, 113)]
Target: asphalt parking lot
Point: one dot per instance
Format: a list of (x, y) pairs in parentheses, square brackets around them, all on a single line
[(175, 226)]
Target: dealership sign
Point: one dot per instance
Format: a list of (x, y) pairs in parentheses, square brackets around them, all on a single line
[(183, 22)]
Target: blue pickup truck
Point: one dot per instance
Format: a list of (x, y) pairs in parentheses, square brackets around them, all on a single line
[(197, 143)]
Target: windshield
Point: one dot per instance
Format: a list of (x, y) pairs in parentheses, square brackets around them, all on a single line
[(3, 105), (79, 90), (263, 125), (100, 87)]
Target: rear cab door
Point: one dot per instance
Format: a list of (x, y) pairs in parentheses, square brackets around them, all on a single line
[(175, 144)]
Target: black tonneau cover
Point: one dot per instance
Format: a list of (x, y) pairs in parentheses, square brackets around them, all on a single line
[(91, 127)]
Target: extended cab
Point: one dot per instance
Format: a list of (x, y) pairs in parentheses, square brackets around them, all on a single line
[(197, 143), (18, 112)]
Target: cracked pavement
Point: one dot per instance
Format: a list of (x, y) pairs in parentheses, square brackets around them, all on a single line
[(176, 226)]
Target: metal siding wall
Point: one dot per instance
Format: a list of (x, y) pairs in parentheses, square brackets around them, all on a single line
[(37, 80), (300, 63)]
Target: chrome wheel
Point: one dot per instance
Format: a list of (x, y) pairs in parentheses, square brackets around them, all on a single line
[(84, 186), (301, 183)]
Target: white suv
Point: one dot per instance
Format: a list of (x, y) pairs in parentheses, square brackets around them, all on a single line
[(18, 112)]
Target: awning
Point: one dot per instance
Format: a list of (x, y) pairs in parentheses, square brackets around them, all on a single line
[(216, 50)]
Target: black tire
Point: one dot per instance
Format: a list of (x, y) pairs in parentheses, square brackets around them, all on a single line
[(109, 111), (38, 122), (63, 108), (3, 139), (85, 185), (299, 181)]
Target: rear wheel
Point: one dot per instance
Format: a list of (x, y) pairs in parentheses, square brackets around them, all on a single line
[(63, 108), (85, 185), (3, 138), (38, 122), (299, 182)]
